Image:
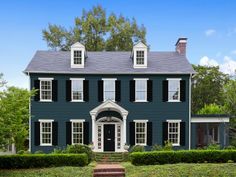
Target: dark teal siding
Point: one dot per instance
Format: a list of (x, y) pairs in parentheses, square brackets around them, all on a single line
[(155, 111)]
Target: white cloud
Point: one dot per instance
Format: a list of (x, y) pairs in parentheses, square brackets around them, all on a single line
[(228, 66), (210, 32), (206, 61), (234, 52)]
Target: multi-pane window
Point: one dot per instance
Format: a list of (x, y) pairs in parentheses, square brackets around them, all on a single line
[(174, 133), (46, 133), (109, 89), (77, 57), (45, 90), (174, 90), (99, 137), (141, 90), (77, 132), (77, 90), (140, 133), (140, 57)]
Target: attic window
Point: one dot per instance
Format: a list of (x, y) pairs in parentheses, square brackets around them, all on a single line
[(77, 57), (140, 57)]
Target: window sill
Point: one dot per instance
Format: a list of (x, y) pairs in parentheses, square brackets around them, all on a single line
[(176, 145), (174, 101), (141, 101), (46, 101), (45, 144), (140, 144), (78, 101)]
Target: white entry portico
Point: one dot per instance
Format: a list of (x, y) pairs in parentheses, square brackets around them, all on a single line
[(102, 126)]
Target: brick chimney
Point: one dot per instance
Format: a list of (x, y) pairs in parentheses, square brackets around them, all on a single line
[(180, 46)]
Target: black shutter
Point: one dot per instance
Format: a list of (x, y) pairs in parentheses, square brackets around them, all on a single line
[(68, 133), (86, 90), (36, 133), (165, 90), (86, 133), (100, 90), (149, 90), (164, 132), (182, 133), (182, 90), (37, 86), (118, 90), (68, 90), (132, 90), (54, 90), (149, 133), (132, 133), (54, 133)]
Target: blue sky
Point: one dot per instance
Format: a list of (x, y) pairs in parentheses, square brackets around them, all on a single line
[(210, 27)]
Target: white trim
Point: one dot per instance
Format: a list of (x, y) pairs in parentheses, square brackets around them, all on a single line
[(77, 47), (40, 89), (29, 87), (209, 119), (82, 81), (174, 101), (77, 120), (145, 123), (46, 78), (51, 127), (140, 120), (46, 120), (77, 79), (139, 47), (141, 79), (109, 79), (173, 120), (72, 131), (190, 105), (178, 79)]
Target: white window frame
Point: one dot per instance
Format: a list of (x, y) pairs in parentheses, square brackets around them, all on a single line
[(40, 83), (72, 129), (139, 47), (141, 79), (145, 123), (41, 121), (174, 79), (77, 47), (109, 79), (178, 133), (81, 58), (77, 79)]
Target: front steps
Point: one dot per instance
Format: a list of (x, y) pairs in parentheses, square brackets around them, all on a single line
[(110, 157), (109, 170)]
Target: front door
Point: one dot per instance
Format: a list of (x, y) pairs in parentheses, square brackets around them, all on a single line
[(109, 137)]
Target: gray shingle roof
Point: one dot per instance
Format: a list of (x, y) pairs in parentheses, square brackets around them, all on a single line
[(109, 63)]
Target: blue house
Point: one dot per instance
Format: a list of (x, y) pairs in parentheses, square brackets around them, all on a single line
[(113, 98)]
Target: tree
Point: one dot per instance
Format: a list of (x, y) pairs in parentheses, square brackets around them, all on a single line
[(207, 87), (212, 109), (97, 32), (2, 81), (230, 104), (14, 116)]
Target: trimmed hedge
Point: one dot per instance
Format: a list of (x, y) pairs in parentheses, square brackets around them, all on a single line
[(42, 160), (184, 156)]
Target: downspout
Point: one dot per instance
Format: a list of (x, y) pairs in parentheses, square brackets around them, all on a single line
[(190, 104), (29, 115)]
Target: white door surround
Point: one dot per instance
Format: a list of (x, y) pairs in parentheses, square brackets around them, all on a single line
[(120, 125)]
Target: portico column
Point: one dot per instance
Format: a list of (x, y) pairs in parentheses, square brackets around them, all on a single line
[(93, 129), (124, 129)]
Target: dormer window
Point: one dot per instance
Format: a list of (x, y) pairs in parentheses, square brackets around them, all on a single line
[(77, 55), (140, 55)]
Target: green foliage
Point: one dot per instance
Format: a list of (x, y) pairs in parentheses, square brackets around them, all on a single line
[(184, 156), (207, 87), (213, 147), (230, 147), (137, 148), (168, 146), (39, 152), (212, 109), (14, 116), (157, 147), (78, 149), (2, 81), (42, 160), (97, 31)]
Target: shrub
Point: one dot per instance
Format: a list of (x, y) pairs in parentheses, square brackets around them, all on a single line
[(157, 147), (230, 147), (183, 156), (168, 146), (39, 152), (137, 148), (78, 149), (42, 160), (213, 147), (23, 152)]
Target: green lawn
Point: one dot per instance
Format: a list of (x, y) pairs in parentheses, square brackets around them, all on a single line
[(227, 169)]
